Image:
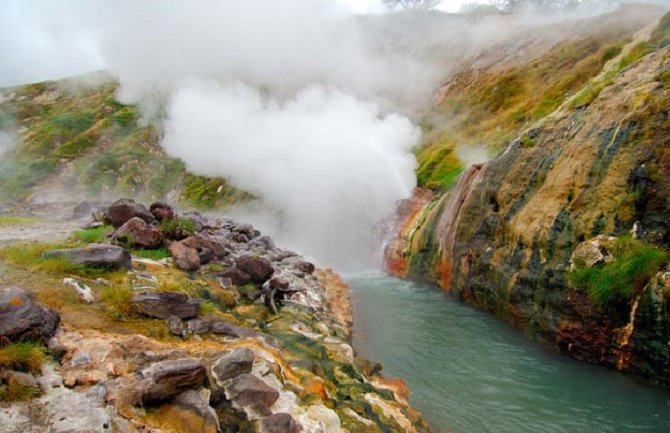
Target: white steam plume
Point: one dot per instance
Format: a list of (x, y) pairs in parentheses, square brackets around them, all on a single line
[(330, 166)]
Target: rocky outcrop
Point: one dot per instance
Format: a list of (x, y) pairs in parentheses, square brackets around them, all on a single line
[(506, 237), (22, 318), (95, 255)]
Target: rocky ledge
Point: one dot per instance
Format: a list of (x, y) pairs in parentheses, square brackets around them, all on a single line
[(219, 331)]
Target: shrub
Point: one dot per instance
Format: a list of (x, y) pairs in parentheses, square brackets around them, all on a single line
[(26, 356), (619, 280)]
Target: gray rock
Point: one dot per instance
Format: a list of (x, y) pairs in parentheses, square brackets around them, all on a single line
[(240, 360), (21, 317), (199, 326), (95, 255), (162, 305), (236, 276), (197, 219), (248, 391), (185, 258), (193, 401), (230, 330), (137, 233), (163, 380), (279, 423), (23, 379), (176, 326), (260, 270), (125, 209)]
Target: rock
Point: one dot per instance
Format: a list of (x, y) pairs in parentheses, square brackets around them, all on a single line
[(162, 211), (248, 391), (279, 283), (279, 423), (241, 238), (163, 380), (85, 293), (176, 326), (306, 267), (199, 242), (592, 252), (82, 210), (236, 276), (137, 233), (260, 270), (23, 379), (224, 328), (162, 305), (239, 361), (197, 219), (192, 401), (199, 326), (95, 255), (20, 317), (123, 210), (185, 258)]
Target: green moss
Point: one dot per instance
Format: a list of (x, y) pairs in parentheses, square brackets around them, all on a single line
[(636, 53), (94, 235), (25, 356), (15, 220), (155, 254), (634, 264), (526, 141)]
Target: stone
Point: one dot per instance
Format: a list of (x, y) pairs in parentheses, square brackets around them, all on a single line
[(176, 326), (240, 360), (306, 267), (163, 380), (592, 252), (236, 276), (206, 420), (95, 256), (279, 423), (123, 210), (82, 210), (279, 283), (199, 242), (85, 293), (20, 317), (228, 329), (185, 258), (199, 326), (162, 305), (197, 219), (162, 211), (248, 391), (137, 233), (23, 379), (258, 269)]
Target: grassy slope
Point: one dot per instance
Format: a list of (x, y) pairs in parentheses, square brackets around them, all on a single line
[(79, 138), (492, 100)]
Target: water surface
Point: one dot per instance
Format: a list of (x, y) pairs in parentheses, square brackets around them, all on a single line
[(471, 373)]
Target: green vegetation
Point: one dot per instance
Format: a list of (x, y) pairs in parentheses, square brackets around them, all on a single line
[(14, 220), (94, 235), (177, 228), (619, 280), (117, 302), (156, 254), (14, 391), (26, 356)]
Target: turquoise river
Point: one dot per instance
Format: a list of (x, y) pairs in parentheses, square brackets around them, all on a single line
[(471, 373)]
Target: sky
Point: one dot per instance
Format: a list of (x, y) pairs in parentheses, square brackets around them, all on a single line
[(376, 6)]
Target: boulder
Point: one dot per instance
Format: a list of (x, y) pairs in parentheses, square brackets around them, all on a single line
[(95, 255), (123, 210), (197, 219), (176, 326), (592, 252), (236, 276), (199, 326), (279, 283), (279, 423), (199, 242), (258, 269), (163, 380), (199, 416), (185, 258), (162, 211), (138, 234), (239, 361), (228, 329), (162, 305), (248, 391), (306, 267), (20, 317)]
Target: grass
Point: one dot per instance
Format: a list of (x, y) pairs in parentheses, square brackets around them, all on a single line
[(117, 302), (13, 392), (156, 254), (16, 220), (177, 228), (635, 262), (92, 236), (26, 356)]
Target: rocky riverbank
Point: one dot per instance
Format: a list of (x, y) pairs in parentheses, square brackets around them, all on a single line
[(154, 321)]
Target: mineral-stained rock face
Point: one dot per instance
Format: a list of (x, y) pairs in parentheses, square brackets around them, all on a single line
[(505, 237), (163, 305), (20, 317), (95, 255)]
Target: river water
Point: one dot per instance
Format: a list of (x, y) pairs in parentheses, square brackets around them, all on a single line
[(472, 373)]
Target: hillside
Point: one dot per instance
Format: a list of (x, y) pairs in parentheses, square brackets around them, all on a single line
[(565, 234)]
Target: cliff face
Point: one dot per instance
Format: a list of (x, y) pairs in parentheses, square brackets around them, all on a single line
[(505, 237)]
